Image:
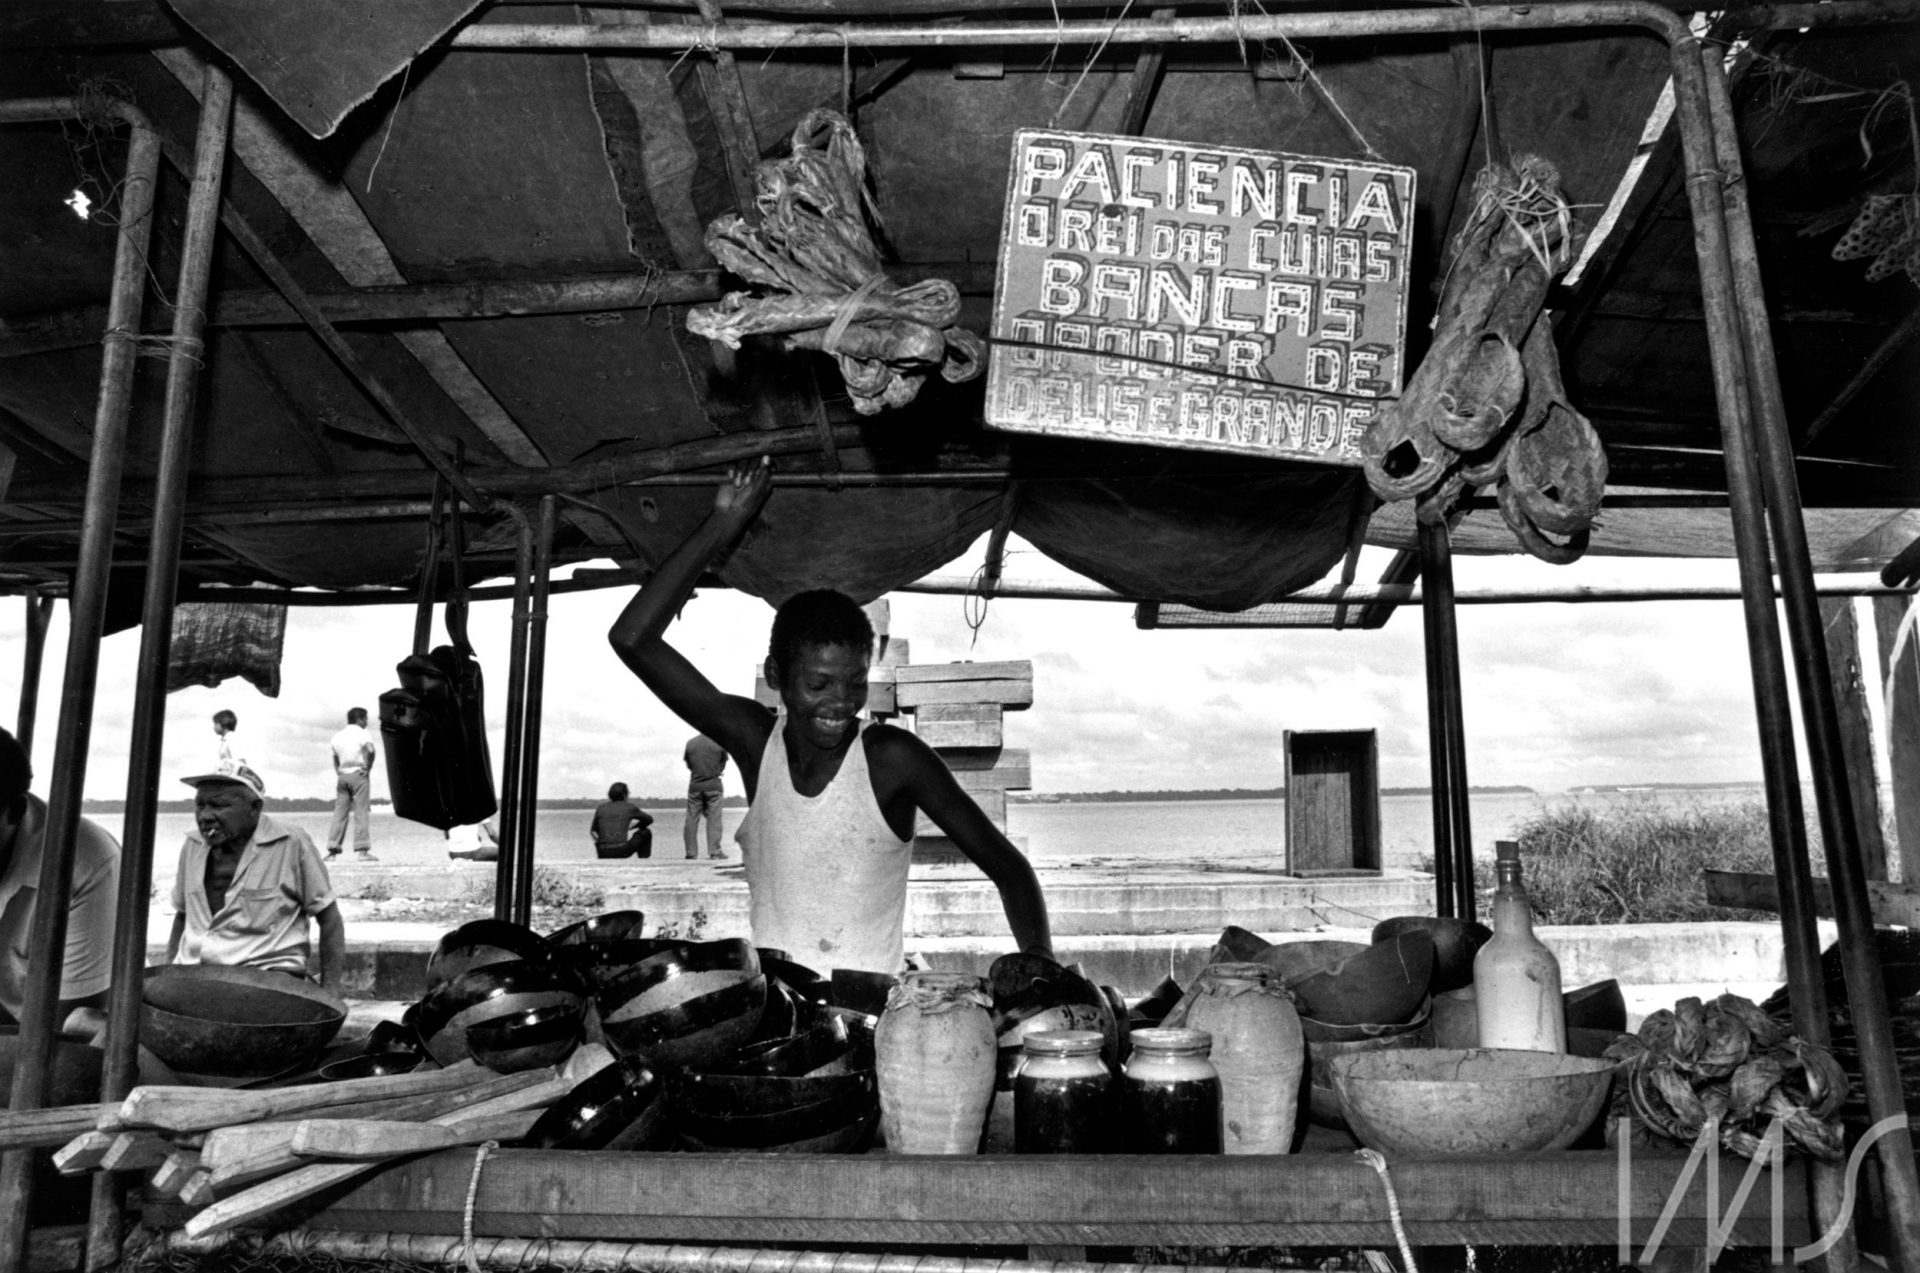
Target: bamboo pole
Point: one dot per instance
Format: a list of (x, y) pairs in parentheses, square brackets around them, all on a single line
[(1694, 114), (1438, 742), (87, 613), (156, 638), (1839, 833)]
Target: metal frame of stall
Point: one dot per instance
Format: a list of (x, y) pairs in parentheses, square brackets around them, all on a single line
[(976, 1200)]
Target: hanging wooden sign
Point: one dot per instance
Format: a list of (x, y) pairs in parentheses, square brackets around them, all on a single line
[(1199, 297)]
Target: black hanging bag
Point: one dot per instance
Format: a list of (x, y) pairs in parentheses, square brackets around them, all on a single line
[(434, 726)]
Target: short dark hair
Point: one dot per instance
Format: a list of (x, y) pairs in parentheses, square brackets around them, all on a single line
[(618, 791), (819, 617), (226, 719), (16, 770), (356, 716)]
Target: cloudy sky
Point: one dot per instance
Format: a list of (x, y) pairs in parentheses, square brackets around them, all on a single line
[(1556, 695)]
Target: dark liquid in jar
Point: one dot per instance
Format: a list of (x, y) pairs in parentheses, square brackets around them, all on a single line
[(1061, 1115), (1179, 1117)]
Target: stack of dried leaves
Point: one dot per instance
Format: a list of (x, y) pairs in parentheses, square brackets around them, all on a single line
[(1486, 406), (813, 249), (1731, 1065)]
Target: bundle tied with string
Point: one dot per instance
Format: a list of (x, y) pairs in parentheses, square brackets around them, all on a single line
[(1487, 406), (814, 251)]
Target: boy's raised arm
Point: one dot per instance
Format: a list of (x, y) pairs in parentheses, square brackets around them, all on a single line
[(637, 636)]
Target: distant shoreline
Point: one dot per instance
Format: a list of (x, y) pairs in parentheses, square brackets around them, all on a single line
[(317, 805)]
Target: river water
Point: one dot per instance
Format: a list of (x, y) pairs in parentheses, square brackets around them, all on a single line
[(1196, 830)]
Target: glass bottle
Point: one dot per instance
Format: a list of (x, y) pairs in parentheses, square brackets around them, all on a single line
[(1060, 1097), (1170, 1095), (1516, 979)]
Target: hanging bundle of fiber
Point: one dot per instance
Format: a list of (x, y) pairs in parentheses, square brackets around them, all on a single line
[(1486, 407), (814, 253)]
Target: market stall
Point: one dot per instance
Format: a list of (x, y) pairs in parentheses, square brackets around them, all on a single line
[(363, 343)]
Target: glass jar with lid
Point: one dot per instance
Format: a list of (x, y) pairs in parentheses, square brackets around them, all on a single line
[(1061, 1095), (1170, 1094)]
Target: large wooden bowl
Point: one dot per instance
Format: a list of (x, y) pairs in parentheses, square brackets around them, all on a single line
[(1469, 1100), (1382, 985), (1455, 943), (235, 1023)]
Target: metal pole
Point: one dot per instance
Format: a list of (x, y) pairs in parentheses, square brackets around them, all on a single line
[(530, 723), (1438, 769), (504, 874), (1786, 819), (1839, 833), (87, 612), (156, 640), (39, 614), (675, 37)]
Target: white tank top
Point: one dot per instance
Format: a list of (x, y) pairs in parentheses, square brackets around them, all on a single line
[(826, 875)]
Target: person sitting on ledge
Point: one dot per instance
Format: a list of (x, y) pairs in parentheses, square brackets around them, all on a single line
[(621, 828), (87, 964), (832, 800), (247, 885)]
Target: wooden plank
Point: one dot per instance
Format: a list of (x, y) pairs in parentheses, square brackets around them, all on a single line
[(1856, 729), (1012, 695), (1568, 1198), (46, 1128), (83, 1153), (942, 735), (1900, 673), (1754, 891), (135, 1151), (930, 673), (991, 768), (171, 1176)]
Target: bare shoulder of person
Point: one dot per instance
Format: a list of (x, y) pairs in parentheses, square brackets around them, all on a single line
[(894, 750)]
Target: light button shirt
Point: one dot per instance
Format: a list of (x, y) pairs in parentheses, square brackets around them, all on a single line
[(88, 966), (278, 886)]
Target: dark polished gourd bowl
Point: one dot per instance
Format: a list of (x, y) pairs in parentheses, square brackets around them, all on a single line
[(1381, 985), (815, 1093), (483, 942), (234, 1024), (1455, 943), (527, 1040), (619, 1106), (606, 944), (508, 988), (687, 1005)]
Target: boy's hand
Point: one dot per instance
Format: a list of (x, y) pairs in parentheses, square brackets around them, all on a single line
[(740, 497)]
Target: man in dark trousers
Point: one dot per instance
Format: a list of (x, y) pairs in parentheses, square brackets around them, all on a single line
[(705, 761)]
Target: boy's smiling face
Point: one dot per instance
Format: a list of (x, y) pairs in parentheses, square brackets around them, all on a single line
[(824, 690)]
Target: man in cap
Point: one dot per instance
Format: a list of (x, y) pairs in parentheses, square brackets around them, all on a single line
[(87, 967), (248, 885)]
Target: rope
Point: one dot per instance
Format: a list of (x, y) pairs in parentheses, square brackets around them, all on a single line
[(473, 1191), (844, 315), (1375, 1160)]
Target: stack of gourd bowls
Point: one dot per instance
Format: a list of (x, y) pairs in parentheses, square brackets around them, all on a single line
[(718, 1045)]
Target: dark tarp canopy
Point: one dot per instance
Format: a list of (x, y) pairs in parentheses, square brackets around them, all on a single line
[(480, 168)]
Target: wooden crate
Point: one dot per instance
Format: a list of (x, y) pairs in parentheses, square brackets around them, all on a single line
[(944, 725), (1333, 802)]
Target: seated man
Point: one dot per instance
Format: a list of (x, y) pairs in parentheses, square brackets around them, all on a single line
[(87, 968), (621, 828), (248, 885)]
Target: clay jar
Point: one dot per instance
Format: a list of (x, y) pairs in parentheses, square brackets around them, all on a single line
[(934, 1055), (1258, 1050)]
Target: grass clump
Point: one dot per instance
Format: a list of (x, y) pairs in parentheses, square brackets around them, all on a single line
[(1638, 863)]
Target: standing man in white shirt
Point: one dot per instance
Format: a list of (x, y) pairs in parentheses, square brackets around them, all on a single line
[(352, 751)]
